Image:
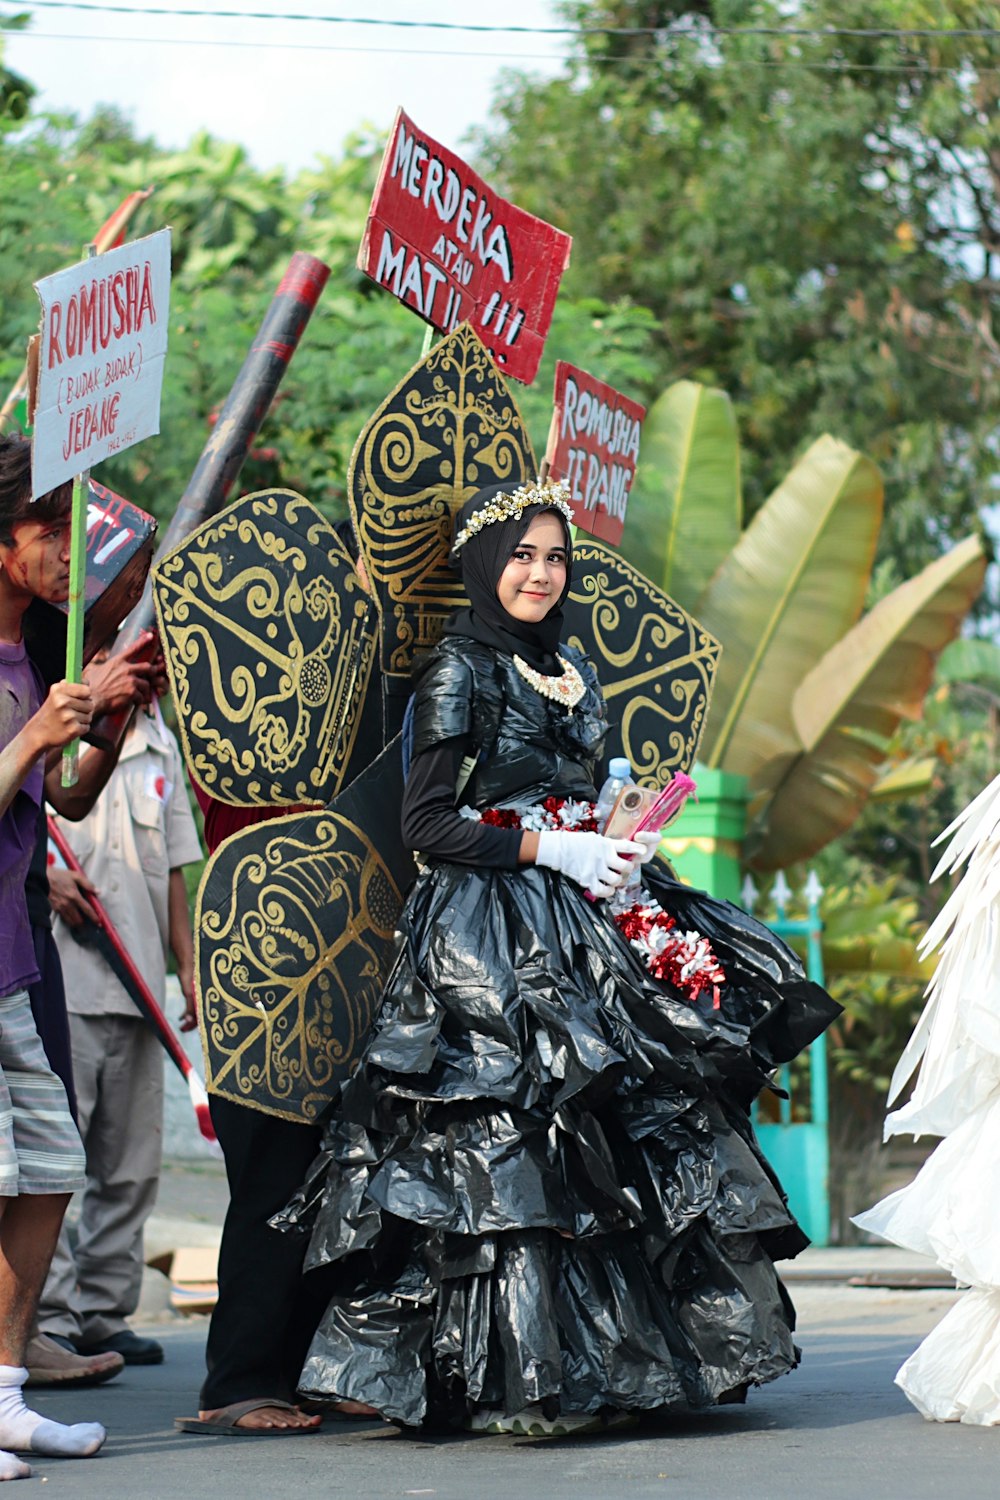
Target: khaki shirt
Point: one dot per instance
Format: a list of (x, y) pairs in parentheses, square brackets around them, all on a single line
[(139, 830)]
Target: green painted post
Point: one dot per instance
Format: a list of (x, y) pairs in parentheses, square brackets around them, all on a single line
[(705, 844), (705, 847), (819, 1098), (77, 595), (799, 1150), (77, 609)]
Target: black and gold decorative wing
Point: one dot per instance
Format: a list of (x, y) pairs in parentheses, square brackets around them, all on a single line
[(270, 643), (656, 664), (449, 428), (294, 938)]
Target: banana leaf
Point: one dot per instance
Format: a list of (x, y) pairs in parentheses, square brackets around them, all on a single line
[(871, 929), (908, 779), (975, 661), (848, 706), (894, 956), (790, 588), (685, 507)]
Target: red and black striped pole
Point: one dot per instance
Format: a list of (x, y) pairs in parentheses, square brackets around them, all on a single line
[(231, 438), (104, 937), (239, 421)]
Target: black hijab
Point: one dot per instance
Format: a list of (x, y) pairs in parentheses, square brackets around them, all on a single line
[(481, 560)]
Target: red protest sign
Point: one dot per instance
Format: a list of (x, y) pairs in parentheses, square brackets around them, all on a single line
[(451, 248), (594, 446)]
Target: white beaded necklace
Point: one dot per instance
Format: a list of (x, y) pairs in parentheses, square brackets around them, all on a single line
[(567, 689)]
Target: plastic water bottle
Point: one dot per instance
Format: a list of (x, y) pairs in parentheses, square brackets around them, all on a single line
[(619, 776)]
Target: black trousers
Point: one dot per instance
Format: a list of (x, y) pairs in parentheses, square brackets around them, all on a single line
[(267, 1310)]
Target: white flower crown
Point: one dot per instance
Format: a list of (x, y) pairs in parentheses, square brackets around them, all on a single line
[(554, 494)]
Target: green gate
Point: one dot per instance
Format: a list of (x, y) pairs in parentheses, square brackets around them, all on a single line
[(794, 1133)]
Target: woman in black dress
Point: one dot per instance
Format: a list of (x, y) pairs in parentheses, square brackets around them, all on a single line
[(541, 1187)]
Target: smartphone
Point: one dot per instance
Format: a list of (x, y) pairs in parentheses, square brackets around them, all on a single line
[(631, 806)]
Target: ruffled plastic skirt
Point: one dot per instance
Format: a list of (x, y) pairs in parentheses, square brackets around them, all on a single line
[(541, 1184)]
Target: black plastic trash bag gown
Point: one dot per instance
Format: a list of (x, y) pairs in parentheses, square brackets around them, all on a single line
[(542, 1184)]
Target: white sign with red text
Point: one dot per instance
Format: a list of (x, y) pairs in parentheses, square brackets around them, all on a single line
[(101, 360)]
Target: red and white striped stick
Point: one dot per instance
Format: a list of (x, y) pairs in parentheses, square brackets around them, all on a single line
[(138, 990)]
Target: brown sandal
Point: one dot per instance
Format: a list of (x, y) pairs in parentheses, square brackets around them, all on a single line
[(224, 1422)]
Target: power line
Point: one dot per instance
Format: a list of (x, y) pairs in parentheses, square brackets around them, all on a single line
[(180, 41), (875, 33), (917, 68)]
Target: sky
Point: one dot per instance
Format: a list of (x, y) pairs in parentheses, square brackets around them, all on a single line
[(287, 90)]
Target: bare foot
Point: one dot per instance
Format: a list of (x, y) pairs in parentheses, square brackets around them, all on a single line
[(354, 1409), (267, 1418)]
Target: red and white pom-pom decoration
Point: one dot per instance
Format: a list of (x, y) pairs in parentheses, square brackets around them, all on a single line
[(683, 959), (553, 813)]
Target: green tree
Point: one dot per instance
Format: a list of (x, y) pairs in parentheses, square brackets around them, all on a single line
[(224, 214), (15, 92), (814, 220), (809, 690)]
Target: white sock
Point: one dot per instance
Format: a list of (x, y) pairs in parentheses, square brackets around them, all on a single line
[(12, 1468), (25, 1431)]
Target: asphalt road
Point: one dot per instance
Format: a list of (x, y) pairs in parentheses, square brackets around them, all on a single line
[(837, 1427)]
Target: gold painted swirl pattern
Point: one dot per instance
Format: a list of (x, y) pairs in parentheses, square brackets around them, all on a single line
[(656, 664), (449, 428), (294, 934), (270, 646)]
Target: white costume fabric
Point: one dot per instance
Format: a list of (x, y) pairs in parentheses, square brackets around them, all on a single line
[(949, 1210)]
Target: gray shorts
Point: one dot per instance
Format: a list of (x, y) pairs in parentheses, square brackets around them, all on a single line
[(40, 1146)]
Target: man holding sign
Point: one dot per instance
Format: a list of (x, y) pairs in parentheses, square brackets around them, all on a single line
[(102, 348), (41, 1157)]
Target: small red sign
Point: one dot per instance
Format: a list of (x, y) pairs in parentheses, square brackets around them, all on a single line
[(451, 248), (594, 446)]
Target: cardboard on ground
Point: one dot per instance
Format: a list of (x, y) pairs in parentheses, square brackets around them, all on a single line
[(193, 1271)]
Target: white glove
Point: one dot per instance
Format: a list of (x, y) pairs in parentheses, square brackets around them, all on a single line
[(650, 842), (596, 863)]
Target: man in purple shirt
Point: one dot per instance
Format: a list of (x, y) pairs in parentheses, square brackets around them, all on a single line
[(41, 1157)]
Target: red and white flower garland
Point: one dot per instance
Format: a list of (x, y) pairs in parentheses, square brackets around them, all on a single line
[(684, 960)]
